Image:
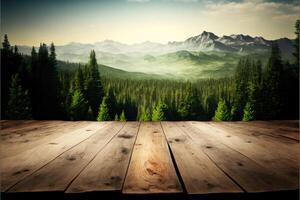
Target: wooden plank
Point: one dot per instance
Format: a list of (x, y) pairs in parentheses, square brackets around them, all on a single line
[(107, 171), (289, 123), (294, 124), (284, 147), (27, 140), (255, 149), (151, 169), (15, 168), (269, 129), (4, 124), (59, 173), (200, 175), (15, 131), (251, 176)]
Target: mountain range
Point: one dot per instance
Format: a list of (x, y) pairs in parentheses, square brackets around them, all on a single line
[(201, 56)]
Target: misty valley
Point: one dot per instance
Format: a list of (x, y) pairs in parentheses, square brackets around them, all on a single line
[(205, 77)]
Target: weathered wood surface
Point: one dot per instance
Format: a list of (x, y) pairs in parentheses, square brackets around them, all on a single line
[(200, 175), (151, 169), (15, 168), (251, 176), (279, 158), (108, 169), (149, 157), (57, 174), (14, 142)]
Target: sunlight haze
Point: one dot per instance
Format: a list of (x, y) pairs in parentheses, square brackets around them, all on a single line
[(135, 21)]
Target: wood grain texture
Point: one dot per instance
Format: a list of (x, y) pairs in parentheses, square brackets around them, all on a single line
[(57, 175), (151, 169), (256, 149), (107, 171), (200, 175), (13, 142), (15, 168), (276, 130), (284, 147), (251, 176), (4, 124), (210, 157)]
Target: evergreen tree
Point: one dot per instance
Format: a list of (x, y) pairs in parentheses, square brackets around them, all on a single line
[(116, 117), (93, 86), (8, 68), (45, 85), (210, 105), (79, 106), (53, 87), (190, 108), (146, 115), (222, 113), (241, 83), (122, 116), (79, 80), (160, 112), (112, 103), (6, 44), (254, 90), (104, 111), (52, 55), (249, 112), (272, 86), (19, 103), (296, 45)]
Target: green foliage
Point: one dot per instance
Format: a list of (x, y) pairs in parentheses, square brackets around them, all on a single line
[(190, 107), (249, 112), (112, 104), (116, 117), (250, 94), (122, 116), (93, 86), (19, 103), (146, 115), (45, 85), (79, 106), (79, 80), (104, 111), (11, 63), (241, 84), (272, 85), (160, 112), (223, 112)]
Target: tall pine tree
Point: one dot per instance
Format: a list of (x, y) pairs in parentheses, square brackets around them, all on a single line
[(122, 116), (272, 86), (223, 112), (93, 86), (160, 112), (45, 85), (103, 114), (19, 106), (190, 108)]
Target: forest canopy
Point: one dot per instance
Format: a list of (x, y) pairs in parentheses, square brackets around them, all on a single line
[(39, 87)]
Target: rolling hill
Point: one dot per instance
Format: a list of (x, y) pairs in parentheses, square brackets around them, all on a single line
[(202, 56)]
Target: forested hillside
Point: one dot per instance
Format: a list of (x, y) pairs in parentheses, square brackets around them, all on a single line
[(40, 87)]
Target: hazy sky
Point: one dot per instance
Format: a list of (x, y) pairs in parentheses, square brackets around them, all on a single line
[(130, 21)]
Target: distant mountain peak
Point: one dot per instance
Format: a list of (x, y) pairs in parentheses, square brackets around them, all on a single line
[(209, 34), (205, 41), (242, 37)]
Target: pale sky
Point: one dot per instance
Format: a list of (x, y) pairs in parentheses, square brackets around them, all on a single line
[(132, 21)]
